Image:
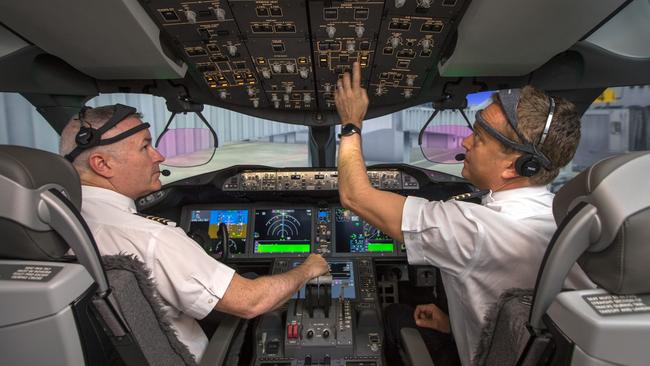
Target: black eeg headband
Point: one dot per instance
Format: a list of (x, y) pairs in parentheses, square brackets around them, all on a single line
[(89, 137), (509, 100)]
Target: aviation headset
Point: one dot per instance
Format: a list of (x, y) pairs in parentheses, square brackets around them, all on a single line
[(532, 160), (89, 137)]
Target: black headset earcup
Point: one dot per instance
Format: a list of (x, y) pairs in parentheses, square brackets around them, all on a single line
[(85, 136), (527, 165)]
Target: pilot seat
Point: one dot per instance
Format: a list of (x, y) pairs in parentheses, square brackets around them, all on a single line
[(603, 217), (59, 309)]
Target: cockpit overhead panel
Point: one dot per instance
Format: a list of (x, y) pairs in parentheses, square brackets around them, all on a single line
[(288, 55)]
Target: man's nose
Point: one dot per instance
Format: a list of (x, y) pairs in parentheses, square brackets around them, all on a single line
[(466, 141), (158, 157)]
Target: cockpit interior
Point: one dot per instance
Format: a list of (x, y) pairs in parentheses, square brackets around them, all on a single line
[(214, 65)]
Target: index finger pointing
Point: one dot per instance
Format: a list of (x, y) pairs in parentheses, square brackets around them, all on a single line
[(356, 75)]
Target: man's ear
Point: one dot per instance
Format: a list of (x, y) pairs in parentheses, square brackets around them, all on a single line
[(509, 171), (101, 165)]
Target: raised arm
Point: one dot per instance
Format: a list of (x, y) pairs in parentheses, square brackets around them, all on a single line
[(380, 208), (249, 298)]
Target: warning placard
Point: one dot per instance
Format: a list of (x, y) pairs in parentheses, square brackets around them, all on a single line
[(618, 304), (15, 272)]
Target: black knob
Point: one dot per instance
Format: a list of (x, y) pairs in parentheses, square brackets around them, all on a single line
[(307, 360), (310, 333), (326, 361), (326, 333)]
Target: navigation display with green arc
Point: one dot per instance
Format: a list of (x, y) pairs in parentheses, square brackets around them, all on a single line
[(282, 230)]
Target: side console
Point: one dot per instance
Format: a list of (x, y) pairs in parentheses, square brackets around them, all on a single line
[(333, 320)]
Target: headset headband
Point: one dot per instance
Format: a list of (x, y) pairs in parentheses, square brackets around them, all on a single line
[(88, 137), (509, 100)]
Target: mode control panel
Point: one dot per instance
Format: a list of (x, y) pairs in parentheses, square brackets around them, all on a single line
[(313, 180)]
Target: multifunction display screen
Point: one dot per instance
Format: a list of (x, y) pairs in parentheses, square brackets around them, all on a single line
[(282, 231), (354, 235), (204, 228)]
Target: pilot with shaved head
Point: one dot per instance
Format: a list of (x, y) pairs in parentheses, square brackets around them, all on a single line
[(111, 149), (518, 145)]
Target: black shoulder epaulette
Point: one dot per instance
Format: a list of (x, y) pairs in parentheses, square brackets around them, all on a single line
[(157, 219), (469, 195)]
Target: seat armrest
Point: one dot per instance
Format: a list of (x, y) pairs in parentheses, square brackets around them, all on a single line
[(215, 353), (415, 350)]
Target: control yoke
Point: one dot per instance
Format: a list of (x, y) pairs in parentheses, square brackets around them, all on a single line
[(318, 295)]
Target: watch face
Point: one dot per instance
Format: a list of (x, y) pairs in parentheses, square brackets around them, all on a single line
[(349, 129)]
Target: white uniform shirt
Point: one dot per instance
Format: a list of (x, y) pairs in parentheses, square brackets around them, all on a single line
[(481, 250), (189, 281)]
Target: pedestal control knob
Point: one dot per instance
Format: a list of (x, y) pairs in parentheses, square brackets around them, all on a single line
[(310, 334), (304, 72), (277, 68), (291, 68), (326, 333)]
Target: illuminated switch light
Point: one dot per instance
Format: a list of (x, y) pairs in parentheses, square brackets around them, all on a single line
[(395, 41), (409, 80), (426, 44), (359, 30), (330, 30), (191, 16), (220, 13), (350, 46), (232, 50)]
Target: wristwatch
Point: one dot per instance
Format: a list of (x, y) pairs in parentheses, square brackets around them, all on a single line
[(349, 129)]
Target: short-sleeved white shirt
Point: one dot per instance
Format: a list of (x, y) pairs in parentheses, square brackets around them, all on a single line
[(189, 281), (481, 250)]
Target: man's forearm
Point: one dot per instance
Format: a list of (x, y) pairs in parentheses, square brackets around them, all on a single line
[(353, 176), (250, 298)]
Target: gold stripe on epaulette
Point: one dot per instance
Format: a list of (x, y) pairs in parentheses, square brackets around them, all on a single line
[(160, 220)]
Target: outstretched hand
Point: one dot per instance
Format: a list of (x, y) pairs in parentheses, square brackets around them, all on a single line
[(430, 316), (351, 99)]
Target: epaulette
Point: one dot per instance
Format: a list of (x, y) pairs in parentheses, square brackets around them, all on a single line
[(160, 220), (469, 195)]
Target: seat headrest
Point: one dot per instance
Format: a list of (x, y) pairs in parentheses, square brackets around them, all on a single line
[(619, 252), (34, 170)]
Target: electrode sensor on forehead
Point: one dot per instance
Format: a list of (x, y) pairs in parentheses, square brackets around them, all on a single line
[(89, 137)]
